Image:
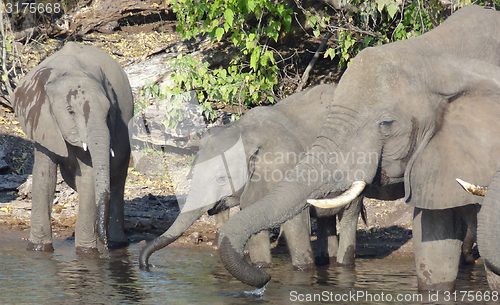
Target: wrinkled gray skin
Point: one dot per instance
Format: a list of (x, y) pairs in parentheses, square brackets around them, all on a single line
[(443, 210), (391, 101), (78, 97), (272, 140)]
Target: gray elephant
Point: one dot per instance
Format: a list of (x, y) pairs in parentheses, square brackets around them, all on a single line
[(75, 106), (469, 152), (389, 104), (241, 163)]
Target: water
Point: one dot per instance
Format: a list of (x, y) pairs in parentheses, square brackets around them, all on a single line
[(189, 276)]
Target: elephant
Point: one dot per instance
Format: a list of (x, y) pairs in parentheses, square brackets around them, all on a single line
[(443, 211), (389, 104), (241, 163), (75, 106)]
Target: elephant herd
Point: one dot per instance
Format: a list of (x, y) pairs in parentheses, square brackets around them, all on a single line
[(416, 114)]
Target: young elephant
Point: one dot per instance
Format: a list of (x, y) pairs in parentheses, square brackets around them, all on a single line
[(241, 163), (76, 105)]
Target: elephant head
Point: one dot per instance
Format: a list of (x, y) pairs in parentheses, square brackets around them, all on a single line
[(72, 106), (388, 104), (232, 163)]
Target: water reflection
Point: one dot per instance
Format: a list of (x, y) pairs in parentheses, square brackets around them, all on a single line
[(187, 276)]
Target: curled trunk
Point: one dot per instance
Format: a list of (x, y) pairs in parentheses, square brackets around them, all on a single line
[(257, 217), (488, 229), (181, 224)]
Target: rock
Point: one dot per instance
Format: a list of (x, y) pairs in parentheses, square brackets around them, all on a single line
[(149, 129), (24, 189), (12, 182), (4, 166), (158, 70)]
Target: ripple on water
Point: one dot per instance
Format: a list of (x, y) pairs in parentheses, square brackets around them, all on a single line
[(187, 276)]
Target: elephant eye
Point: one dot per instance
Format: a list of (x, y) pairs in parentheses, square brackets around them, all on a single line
[(386, 123), (385, 126), (221, 179), (70, 109)]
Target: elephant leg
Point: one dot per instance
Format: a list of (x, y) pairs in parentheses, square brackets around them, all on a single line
[(220, 220), (85, 230), (469, 214), (468, 244), (348, 224), (437, 241), (493, 279), (44, 186), (327, 244), (260, 249), (116, 225), (297, 232)]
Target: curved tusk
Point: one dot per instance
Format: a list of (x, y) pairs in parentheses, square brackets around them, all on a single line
[(85, 147), (472, 188), (349, 195), (112, 152)]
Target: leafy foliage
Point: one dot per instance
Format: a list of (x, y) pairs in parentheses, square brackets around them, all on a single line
[(377, 22), (250, 25)]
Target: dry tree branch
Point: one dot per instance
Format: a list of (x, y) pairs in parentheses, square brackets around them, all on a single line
[(305, 76)]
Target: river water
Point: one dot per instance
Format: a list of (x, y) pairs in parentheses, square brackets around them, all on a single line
[(189, 276)]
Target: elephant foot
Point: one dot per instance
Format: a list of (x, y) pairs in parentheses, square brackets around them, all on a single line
[(303, 267), (88, 252), (40, 247), (262, 265), (423, 286)]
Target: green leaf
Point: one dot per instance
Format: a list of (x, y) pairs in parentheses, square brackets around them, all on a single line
[(254, 58), (392, 9), (229, 16), (218, 33), (330, 53)]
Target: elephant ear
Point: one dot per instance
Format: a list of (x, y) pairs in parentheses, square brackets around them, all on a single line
[(34, 111), (271, 150), (465, 147), (452, 77)]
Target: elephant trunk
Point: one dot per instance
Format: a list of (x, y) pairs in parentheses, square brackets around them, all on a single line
[(181, 224), (99, 147), (261, 215), (488, 230)]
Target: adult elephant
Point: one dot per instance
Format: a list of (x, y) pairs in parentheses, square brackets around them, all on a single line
[(241, 163), (75, 106), (468, 147), (389, 104)]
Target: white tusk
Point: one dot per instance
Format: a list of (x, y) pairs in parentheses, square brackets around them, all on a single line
[(112, 152), (85, 146), (349, 195), (472, 188)]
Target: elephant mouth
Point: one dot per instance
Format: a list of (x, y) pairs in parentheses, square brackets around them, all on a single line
[(219, 206)]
